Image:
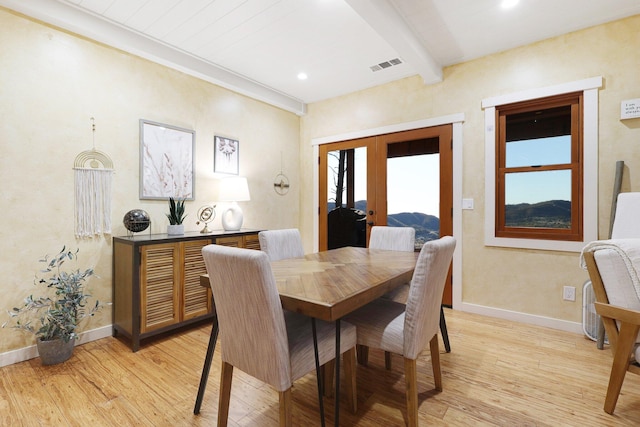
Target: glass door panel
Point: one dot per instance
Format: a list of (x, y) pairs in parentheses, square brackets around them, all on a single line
[(413, 195), (347, 197), (347, 192)]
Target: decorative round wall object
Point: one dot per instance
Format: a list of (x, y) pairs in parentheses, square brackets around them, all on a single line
[(281, 184), (136, 220)]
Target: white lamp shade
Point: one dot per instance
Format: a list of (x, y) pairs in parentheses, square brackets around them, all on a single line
[(233, 190)]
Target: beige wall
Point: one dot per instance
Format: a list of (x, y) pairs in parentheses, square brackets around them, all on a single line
[(51, 83), (525, 281)]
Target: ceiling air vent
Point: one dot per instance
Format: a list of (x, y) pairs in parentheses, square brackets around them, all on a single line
[(386, 64)]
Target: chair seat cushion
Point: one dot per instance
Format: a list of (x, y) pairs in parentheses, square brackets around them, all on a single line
[(380, 325), (300, 334)]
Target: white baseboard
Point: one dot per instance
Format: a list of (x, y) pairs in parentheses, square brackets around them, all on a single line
[(26, 353), (531, 319)]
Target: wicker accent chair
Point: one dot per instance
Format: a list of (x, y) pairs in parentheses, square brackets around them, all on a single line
[(259, 337), (408, 329), (614, 268)]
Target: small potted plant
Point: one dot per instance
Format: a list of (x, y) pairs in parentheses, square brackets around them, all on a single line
[(176, 215), (54, 317)]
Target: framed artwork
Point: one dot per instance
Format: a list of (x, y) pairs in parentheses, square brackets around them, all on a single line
[(167, 161), (226, 155)]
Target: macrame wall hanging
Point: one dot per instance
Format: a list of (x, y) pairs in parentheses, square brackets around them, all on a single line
[(93, 175)]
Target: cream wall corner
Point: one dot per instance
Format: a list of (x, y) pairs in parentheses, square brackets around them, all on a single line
[(523, 285)]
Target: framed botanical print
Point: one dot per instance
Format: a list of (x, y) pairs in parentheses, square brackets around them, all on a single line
[(167, 161)]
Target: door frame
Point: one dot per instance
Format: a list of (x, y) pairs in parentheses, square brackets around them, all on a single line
[(456, 120)]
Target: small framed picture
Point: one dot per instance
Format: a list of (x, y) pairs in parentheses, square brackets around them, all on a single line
[(226, 155)]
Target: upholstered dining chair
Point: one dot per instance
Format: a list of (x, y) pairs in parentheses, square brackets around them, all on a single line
[(400, 239), (281, 244), (407, 329), (259, 337), (614, 268)]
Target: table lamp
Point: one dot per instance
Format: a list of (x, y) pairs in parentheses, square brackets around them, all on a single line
[(234, 189)]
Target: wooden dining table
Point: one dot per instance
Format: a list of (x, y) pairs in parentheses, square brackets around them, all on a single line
[(328, 285)]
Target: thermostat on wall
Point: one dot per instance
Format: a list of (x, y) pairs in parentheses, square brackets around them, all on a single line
[(630, 109)]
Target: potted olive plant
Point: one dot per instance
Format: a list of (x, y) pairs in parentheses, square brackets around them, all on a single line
[(54, 316), (176, 215)]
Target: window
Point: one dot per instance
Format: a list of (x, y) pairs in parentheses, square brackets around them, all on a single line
[(539, 168), (553, 167)]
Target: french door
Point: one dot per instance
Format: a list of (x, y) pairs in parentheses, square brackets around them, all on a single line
[(397, 179)]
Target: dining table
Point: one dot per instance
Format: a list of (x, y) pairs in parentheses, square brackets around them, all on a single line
[(328, 285)]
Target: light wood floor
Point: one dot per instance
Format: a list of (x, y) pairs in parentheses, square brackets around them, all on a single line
[(498, 374)]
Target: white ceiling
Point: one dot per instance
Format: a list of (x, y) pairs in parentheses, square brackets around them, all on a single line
[(258, 47)]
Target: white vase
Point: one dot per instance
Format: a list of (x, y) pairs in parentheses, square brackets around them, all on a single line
[(175, 229)]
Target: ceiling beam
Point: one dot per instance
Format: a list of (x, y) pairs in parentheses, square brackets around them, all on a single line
[(74, 20), (387, 22)]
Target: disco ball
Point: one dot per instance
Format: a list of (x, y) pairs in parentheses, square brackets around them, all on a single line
[(136, 220)]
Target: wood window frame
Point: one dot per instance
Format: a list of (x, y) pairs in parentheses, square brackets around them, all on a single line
[(590, 90), (575, 232)]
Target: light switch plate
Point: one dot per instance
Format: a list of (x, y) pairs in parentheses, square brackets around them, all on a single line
[(467, 203)]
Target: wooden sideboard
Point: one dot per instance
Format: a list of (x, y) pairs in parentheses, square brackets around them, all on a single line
[(156, 280)]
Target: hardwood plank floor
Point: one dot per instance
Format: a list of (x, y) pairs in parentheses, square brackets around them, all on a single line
[(499, 373)]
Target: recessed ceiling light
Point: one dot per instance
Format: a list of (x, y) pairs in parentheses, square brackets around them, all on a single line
[(302, 76), (508, 4)]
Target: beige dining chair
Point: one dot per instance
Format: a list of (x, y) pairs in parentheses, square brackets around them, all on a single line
[(399, 239), (259, 337), (281, 244), (407, 329), (613, 267)]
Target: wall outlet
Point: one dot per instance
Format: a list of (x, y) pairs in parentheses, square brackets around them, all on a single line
[(569, 293)]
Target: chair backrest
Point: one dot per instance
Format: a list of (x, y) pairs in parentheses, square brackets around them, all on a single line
[(281, 244), (625, 224), (250, 316), (392, 238), (422, 317)]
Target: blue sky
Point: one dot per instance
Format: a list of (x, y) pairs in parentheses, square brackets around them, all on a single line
[(533, 187)]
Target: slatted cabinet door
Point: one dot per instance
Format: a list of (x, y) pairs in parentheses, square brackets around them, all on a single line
[(196, 298), (251, 241), (159, 286)]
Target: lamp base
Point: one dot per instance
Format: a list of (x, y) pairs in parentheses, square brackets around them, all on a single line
[(232, 218)]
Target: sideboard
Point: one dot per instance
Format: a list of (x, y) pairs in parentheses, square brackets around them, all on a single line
[(156, 280)]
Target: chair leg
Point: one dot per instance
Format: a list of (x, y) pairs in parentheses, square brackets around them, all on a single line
[(626, 340), (349, 359), (286, 419), (435, 362), (443, 331), (363, 354), (226, 376), (387, 360), (411, 380)]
